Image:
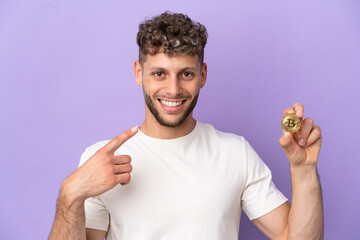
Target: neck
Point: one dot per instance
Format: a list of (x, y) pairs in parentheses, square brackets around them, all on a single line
[(152, 128)]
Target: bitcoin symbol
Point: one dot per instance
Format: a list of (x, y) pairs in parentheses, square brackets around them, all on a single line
[(291, 123)]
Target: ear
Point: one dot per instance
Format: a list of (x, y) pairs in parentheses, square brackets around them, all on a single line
[(203, 75), (138, 73)]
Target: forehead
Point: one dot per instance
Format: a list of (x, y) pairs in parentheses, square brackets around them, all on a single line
[(162, 60)]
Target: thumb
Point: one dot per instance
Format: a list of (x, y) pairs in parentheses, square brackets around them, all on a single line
[(286, 142)]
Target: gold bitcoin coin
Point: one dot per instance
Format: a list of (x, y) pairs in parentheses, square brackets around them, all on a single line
[(291, 123)]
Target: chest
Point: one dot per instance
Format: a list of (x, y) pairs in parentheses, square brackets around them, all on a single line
[(169, 184)]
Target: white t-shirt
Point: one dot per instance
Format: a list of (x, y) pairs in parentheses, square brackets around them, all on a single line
[(192, 187)]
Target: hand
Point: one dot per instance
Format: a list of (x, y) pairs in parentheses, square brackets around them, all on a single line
[(101, 172), (301, 148)]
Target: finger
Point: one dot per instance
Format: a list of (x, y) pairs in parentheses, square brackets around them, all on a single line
[(299, 109), (288, 110), (123, 168), (123, 178), (121, 159), (306, 127), (315, 134), (116, 142)]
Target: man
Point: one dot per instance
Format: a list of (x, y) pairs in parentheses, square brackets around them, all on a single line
[(188, 180)]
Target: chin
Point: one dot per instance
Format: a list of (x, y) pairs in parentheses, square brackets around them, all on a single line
[(170, 119), (171, 123)]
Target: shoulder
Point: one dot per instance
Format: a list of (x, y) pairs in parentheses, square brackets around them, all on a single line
[(224, 141), (97, 146), (210, 131), (91, 150)]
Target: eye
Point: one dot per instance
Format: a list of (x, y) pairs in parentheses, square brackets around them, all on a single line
[(158, 74), (187, 74)]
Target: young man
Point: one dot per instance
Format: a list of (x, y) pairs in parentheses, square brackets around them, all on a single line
[(188, 180)]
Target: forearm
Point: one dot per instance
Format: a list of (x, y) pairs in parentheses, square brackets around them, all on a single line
[(306, 220), (69, 220)]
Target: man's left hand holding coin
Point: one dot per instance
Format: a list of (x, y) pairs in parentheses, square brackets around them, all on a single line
[(305, 214)]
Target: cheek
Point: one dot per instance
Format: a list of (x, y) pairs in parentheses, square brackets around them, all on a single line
[(194, 87), (152, 91)]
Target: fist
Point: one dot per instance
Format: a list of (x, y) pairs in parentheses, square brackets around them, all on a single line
[(302, 148)]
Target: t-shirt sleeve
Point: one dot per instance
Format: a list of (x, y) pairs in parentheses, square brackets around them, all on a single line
[(96, 213), (260, 196)]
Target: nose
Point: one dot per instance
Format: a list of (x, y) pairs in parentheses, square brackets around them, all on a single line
[(173, 88)]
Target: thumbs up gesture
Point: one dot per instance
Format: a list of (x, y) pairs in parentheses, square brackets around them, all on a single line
[(102, 171)]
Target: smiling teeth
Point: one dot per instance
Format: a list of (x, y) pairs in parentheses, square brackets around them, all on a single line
[(170, 104)]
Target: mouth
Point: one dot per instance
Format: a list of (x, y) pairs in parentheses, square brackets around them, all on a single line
[(171, 105)]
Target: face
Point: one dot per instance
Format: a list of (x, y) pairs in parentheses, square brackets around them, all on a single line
[(171, 86)]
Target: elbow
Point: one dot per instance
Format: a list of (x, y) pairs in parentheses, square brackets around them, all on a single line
[(301, 236)]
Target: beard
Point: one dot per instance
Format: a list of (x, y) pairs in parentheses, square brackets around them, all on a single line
[(151, 106)]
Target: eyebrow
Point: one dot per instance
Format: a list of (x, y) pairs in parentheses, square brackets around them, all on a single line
[(188, 69), (156, 69), (164, 69)]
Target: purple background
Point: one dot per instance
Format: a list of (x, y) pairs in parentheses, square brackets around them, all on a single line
[(66, 82)]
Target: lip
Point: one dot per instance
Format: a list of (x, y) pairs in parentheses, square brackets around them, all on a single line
[(172, 109)]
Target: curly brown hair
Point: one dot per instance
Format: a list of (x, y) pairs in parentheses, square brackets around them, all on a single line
[(173, 34)]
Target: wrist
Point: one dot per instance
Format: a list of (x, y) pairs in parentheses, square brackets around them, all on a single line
[(304, 175), (303, 172), (70, 197), (303, 169)]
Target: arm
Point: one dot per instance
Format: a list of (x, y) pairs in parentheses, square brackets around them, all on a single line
[(69, 220), (100, 173), (304, 218)]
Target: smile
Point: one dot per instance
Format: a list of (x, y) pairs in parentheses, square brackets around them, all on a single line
[(171, 103)]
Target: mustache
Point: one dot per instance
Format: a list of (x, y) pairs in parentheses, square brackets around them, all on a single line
[(177, 97)]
